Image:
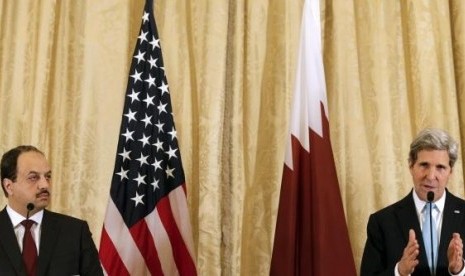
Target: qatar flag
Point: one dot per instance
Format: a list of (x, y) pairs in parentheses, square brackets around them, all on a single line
[(311, 236)]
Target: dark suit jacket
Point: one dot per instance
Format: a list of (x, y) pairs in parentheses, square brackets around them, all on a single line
[(387, 236), (66, 247)]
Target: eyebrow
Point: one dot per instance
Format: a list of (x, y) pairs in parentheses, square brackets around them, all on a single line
[(36, 172), (428, 163)]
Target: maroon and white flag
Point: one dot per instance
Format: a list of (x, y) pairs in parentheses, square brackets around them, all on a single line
[(311, 235)]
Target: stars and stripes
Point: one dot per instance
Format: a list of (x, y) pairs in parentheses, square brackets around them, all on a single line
[(147, 228)]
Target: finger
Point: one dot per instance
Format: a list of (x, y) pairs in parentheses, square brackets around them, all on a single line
[(411, 235), (411, 249), (411, 252)]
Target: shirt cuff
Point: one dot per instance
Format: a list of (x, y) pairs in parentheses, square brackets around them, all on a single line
[(396, 271)]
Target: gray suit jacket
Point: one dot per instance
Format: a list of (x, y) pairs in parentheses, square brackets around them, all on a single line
[(387, 236), (66, 247)]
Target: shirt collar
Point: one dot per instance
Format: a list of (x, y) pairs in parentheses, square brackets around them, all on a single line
[(16, 218), (420, 204)]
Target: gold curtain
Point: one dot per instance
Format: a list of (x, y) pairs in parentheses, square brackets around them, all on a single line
[(392, 68)]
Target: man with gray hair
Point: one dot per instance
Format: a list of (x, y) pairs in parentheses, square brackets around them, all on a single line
[(422, 233)]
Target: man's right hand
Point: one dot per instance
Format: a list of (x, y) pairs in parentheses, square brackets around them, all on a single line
[(409, 260)]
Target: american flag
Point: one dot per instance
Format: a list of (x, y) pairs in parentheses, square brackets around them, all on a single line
[(147, 228)]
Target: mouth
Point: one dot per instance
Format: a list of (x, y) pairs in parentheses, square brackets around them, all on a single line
[(429, 186), (43, 195)]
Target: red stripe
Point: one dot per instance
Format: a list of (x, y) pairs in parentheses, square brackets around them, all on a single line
[(143, 238), (181, 255), (109, 257)]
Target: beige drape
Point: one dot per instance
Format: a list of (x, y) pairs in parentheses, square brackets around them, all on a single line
[(392, 68)]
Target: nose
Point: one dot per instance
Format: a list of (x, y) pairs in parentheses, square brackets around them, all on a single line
[(431, 173), (43, 183)]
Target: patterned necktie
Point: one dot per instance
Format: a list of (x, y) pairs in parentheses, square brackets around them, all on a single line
[(29, 248), (430, 234)]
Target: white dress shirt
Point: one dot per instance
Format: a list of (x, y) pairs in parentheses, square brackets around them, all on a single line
[(438, 215), (436, 212), (17, 218)]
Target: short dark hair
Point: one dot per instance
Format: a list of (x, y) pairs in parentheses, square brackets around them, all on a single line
[(433, 139), (9, 162)]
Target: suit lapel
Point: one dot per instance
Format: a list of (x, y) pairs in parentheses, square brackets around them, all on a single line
[(49, 232), (452, 217), (407, 217), (9, 243)]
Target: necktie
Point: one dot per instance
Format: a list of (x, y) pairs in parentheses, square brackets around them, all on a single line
[(29, 248), (428, 230)]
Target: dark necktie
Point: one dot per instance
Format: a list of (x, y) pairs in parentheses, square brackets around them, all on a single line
[(29, 248)]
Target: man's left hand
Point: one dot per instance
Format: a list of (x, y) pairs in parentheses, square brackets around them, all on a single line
[(455, 254)]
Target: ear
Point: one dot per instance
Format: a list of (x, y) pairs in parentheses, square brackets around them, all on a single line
[(7, 183)]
